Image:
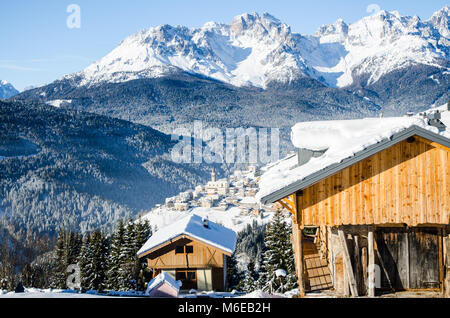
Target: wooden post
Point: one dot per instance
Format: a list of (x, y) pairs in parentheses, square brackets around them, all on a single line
[(364, 268), (446, 256), (371, 267), (299, 244), (408, 274), (301, 268), (347, 291), (358, 263), (386, 273), (348, 265)]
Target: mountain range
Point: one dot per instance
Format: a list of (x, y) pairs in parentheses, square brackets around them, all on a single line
[(257, 72), (256, 50)]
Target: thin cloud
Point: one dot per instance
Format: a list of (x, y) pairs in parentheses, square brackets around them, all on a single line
[(19, 68), (46, 60)]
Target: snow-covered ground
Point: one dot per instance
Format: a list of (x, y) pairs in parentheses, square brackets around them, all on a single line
[(47, 293), (59, 102), (60, 293)]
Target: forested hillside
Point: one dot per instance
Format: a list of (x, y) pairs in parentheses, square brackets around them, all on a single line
[(70, 169)]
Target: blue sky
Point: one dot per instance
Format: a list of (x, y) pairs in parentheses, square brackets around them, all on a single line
[(37, 47)]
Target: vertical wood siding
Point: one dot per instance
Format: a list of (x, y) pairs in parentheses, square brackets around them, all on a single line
[(204, 256), (406, 183)]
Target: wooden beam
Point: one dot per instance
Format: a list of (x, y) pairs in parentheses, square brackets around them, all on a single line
[(358, 263), (348, 264), (386, 273), (371, 266), (300, 265), (432, 143), (287, 207), (298, 249), (441, 260), (364, 268), (408, 277), (447, 265), (299, 209)]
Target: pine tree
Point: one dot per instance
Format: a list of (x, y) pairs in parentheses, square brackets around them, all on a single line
[(114, 273), (85, 263), (99, 247), (68, 247), (93, 261), (249, 283), (277, 254), (233, 274), (59, 277), (128, 271), (143, 233)]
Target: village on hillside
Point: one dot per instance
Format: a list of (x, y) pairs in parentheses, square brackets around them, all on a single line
[(231, 201)]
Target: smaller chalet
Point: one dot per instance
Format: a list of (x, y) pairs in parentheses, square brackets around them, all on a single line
[(192, 250)]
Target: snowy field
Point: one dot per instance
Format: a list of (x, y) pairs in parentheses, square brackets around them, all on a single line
[(60, 293), (48, 293), (230, 218)]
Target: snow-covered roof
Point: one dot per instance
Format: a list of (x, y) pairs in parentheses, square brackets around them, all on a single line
[(215, 235), (249, 200), (164, 277), (343, 139)]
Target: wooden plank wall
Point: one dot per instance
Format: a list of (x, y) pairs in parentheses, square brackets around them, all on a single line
[(204, 256), (406, 183)]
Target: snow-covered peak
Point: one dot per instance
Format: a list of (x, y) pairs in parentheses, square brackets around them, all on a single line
[(253, 51), (7, 90), (251, 21), (375, 46), (440, 21), (337, 31)]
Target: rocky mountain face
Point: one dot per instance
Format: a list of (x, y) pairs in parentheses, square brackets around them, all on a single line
[(7, 90), (255, 50)]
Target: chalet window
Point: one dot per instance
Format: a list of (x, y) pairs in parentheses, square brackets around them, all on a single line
[(180, 275), (185, 275), (184, 249), (191, 275)]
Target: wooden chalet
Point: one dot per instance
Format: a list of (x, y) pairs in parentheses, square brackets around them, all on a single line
[(374, 220), (192, 250)]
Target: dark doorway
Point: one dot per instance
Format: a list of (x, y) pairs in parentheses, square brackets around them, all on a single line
[(188, 279), (410, 257)]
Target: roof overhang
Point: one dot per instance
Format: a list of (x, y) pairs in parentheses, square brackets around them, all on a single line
[(366, 153), (179, 237)]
